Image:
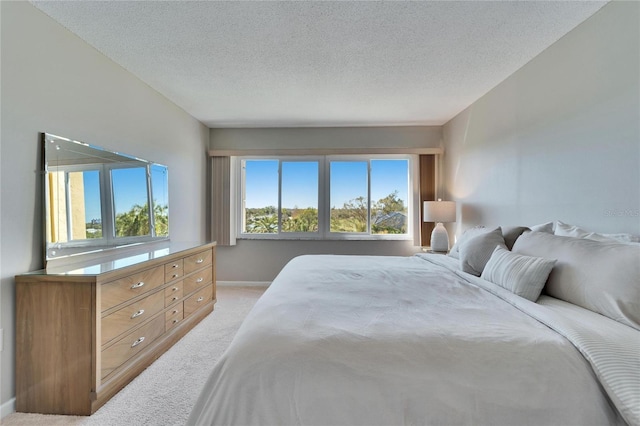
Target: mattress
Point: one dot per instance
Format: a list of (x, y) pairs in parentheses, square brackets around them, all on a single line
[(366, 340)]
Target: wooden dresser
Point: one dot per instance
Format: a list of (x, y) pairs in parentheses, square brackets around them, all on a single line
[(82, 334)]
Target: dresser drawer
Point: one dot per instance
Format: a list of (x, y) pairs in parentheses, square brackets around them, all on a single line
[(116, 292), (173, 293), (125, 318), (197, 261), (117, 354), (173, 316), (197, 280), (173, 270), (199, 299)]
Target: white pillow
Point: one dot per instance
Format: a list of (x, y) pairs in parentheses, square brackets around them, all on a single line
[(601, 277), (543, 227), (469, 233), (475, 252), (522, 275), (565, 230), (624, 238)]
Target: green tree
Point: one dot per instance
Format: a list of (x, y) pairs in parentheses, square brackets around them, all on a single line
[(388, 215), (300, 220), (135, 222), (262, 224), (352, 217), (389, 204), (161, 219)]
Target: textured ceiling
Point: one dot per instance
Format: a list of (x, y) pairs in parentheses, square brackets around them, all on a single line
[(267, 64)]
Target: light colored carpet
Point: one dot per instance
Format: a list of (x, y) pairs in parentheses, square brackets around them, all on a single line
[(165, 392)]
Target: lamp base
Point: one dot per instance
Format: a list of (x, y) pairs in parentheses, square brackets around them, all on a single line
[(439, 238)]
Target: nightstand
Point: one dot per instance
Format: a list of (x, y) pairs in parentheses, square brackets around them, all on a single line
[(428, 250)]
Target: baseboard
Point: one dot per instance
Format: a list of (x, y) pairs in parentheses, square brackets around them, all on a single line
[(7, 408), (243, 283)]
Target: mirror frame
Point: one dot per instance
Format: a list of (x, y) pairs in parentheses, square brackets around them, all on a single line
[(63, 155)]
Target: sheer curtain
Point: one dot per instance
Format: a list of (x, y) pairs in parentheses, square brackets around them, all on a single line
[(222, 201)]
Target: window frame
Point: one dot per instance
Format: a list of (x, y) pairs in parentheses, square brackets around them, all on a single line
[(324, 191), (107, 207)]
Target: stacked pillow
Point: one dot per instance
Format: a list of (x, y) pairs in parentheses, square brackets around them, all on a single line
[(599, 272), (485, 253), (601, 277), (509, 233), (565, 230), (543, 227), (476, 251), (522, 275)]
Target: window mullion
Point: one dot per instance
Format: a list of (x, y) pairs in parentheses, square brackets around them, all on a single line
[(279, 197), (67, 201), (323, 199), (369, 196), (152, 221)]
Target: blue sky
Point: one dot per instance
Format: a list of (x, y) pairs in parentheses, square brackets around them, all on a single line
[(92, 194), (300, 182), (130, 188)]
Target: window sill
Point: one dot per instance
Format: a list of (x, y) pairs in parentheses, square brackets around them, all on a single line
[(331, 238)]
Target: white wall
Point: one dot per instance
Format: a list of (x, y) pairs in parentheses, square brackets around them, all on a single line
[(252, 260), (560, 138), (54, 82)]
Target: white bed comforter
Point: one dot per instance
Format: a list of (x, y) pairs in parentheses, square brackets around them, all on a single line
[(358, 340)]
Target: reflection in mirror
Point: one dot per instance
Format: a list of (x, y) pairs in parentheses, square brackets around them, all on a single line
[(130, 201), (160, 186), (97, 199)]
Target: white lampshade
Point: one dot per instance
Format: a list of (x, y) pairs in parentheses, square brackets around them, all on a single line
[(439, 211)]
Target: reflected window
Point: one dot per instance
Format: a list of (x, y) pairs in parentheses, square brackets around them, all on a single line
[(76, 210), (95, 198), (160, 187), (130, 200)]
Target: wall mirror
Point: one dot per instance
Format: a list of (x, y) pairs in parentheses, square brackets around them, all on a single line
[(96, 199)]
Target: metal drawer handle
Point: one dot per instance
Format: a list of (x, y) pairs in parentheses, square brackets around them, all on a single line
[(137, 314), (175, 289), (175, 265), (175, 321), (174, 312), (199, 280), (175, 276), (199, 260), (137, 342), (175, 298), (200, 299), (138, 285)]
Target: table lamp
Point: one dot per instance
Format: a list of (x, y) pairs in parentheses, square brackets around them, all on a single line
[(439, 212)]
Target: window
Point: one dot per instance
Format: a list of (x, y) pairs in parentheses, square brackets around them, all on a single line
[(280, 196), (79, 217), (355, 197)]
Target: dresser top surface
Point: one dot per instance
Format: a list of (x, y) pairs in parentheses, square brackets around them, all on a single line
[(120, 261)]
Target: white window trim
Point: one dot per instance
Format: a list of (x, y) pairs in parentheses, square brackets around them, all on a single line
[(237, 198), (106, 210)]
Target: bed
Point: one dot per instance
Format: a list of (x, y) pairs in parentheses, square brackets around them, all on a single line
[(365, 340)]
